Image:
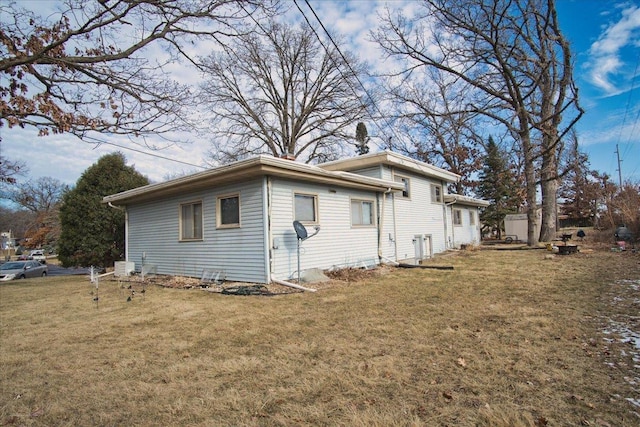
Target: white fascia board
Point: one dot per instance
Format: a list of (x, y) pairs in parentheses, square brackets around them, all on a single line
[(465, 200), (250, 168), (392, 159)]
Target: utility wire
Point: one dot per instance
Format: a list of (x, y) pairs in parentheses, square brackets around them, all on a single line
[(100, 142), (373, 103), (628, 107)]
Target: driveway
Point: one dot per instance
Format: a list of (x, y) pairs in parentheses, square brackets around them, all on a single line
[(56, 270)]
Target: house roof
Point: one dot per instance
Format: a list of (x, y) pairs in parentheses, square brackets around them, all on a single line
[(391, 159), (465, 200), (250, 168)]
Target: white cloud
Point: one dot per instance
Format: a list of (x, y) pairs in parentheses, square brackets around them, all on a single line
[(65, 157), (606, 63)]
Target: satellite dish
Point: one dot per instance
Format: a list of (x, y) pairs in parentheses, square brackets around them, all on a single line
[(301, 231)]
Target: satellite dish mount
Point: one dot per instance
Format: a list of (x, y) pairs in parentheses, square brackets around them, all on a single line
[(302, 235)]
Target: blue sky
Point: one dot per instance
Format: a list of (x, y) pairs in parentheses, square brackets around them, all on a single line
[(605, 37)]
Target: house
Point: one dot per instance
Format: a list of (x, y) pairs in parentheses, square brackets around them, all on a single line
[(464, 214), (238, 218)]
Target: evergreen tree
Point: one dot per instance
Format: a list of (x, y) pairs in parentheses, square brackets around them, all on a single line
[(92, 232), (580, 190), (498, 186), (362, 138)]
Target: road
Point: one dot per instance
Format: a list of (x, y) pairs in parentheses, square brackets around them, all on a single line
[(56, 270)]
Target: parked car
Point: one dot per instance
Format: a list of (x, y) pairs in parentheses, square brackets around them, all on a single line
[(38, 255), (22, 269)]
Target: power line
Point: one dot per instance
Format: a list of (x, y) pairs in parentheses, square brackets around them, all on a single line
[(627, 108), (373, 103), (100, 142)]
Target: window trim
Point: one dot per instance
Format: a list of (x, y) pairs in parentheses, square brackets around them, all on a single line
[(219, 223), (315, 198), (373, 212), (435, 198), (403, 178), (181, 238), (458, 217), (472, 217)]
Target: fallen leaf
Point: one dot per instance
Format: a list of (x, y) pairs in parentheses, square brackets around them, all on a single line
[(541, 422), (37, 413), (462, 362), (447, 395)]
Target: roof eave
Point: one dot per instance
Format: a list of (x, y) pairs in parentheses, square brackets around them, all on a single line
[(465, 200), (259, 166), (391, 159)]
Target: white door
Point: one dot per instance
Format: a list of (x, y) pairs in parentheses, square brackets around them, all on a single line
[(428, 246), (418, 247)]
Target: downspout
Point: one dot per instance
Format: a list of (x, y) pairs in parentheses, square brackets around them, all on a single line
[(291, 285), (126, 228), (395, 221), (266, 212), (381, 224), (453, 234)]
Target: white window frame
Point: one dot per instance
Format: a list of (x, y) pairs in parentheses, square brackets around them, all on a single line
[(311, 196), (219, 199), (406, 193), (457, 217), (472, 218), (193, 237), (359, 215), (436, 193)]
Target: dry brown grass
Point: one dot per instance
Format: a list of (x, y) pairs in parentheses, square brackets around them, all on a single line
[(508, 338)]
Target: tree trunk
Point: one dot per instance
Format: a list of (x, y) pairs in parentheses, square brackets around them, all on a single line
[(549, 210), (530, 178)]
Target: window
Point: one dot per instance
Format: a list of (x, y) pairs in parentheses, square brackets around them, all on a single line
[(361, 212), (228, 208), (191, 221), (306, 206), (436, 193), (457, 217), (472, 218), (405, 181)]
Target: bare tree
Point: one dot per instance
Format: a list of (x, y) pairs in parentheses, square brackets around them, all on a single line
[(514, 56), (101, 66), (42, 198), (280, 91), (40, 195), (431, 109)]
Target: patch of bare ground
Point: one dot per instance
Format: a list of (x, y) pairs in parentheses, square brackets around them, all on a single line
[(506, 338)]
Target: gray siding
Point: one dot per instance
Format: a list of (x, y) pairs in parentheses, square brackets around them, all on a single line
[(154, 230), (338, 244)]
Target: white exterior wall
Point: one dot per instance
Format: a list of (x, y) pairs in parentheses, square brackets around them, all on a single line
[(154, 230), (418, 216), (465, 234), (338, 244), (407, 218)]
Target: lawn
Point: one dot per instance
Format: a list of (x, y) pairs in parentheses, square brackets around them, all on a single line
[(506, 338)]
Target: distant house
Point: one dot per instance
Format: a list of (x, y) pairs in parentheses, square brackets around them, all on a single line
[(238, 218)]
